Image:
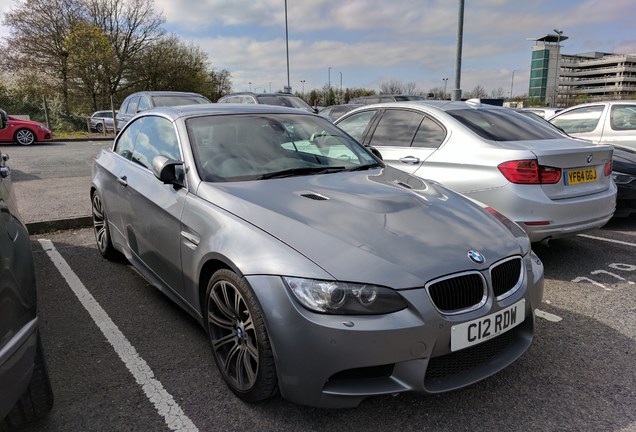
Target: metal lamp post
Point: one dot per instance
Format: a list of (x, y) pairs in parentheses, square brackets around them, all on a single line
[(512, 82), (288, 88), (445, 83), (556, 67)]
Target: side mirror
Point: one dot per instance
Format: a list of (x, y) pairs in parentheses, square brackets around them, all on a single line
[(375, 152), (4, 119), (169, 171)]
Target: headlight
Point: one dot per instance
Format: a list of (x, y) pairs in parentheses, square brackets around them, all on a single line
[(620, 178), (340, 298)]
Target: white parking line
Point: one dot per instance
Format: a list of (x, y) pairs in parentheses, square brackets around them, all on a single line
[(163, 401), (608, 240), (547, 315)]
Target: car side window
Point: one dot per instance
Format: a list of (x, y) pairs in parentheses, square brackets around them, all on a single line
[(396, 128), (126, 140), (356, 124), (144, 104), (132, 105), (623, 117), (156, 137), (429, 135), (579, 120)]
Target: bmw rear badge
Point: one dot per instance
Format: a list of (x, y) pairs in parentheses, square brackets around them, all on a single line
[(476, 257)]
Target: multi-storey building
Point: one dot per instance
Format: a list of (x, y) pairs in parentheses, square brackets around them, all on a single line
[(588, 76)]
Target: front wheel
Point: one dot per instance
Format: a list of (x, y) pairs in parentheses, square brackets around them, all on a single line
[(24, 137), (239, 339)]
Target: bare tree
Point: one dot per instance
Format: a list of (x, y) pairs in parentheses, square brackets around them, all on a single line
[(478, 92), (498, 93), (132, 26), (36, 41)]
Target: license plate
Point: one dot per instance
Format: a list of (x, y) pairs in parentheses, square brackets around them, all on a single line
[(481, 329), (578, 176)]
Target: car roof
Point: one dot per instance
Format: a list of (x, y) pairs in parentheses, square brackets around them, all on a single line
[(443, 105), (175, 112), (164, 93)]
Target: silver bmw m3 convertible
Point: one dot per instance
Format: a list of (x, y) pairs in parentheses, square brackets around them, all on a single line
[(317, 271)]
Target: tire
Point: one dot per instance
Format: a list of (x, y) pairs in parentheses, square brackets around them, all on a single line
[(239, 339), (24, 137), (100, 226), (99, 127), (37, 400)]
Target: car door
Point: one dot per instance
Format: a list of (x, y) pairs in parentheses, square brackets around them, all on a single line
[(620, 125), (151, 210), (405, 138), (584, 122)]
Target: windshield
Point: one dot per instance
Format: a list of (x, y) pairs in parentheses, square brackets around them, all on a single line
[(164, 101), (264, 146), (503, 125)]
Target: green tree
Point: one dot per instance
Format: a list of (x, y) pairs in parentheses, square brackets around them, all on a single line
[(91, 62), (169, 64)]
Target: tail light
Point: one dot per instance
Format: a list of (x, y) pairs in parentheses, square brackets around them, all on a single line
[(528, 171), (609, 166)]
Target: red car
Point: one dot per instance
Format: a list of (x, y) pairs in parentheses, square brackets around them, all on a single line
[(23, 132)]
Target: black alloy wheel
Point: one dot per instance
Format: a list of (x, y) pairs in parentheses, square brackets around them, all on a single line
[(100, 225), (239, 339)]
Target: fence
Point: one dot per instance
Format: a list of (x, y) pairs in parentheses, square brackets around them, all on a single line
[(45, 111)]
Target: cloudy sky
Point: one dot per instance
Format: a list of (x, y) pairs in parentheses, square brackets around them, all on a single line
[(368, 42)]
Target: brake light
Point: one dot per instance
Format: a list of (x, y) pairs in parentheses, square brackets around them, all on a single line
[(528, 171), (609, 166)]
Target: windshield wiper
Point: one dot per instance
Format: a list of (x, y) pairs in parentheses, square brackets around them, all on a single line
[(302, 171), (363, 167)]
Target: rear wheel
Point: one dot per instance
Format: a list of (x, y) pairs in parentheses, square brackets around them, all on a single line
[(100, 225), (239, 339), (24, 137), (99, 127), (37, 400)]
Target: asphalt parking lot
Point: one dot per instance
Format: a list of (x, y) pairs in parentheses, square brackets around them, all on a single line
[(122, 356)]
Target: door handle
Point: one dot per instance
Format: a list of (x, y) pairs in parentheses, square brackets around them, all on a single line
[(411, 160), (123, 180)]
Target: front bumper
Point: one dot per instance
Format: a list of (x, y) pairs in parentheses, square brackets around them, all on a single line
[(337, 361)]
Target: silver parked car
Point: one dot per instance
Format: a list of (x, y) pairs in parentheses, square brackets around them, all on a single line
[(612, 122), (101, 121), (141, 101), (315, 269), (25, 389), (551, 185)]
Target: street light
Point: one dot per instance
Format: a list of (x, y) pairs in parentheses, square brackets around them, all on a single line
[(303, 83), (512, 82), (340, 95), (250, 84), (288, 88), (445, 83), (556, 67)]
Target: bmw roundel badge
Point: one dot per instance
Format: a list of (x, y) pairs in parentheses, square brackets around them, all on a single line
[(476, 257)]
